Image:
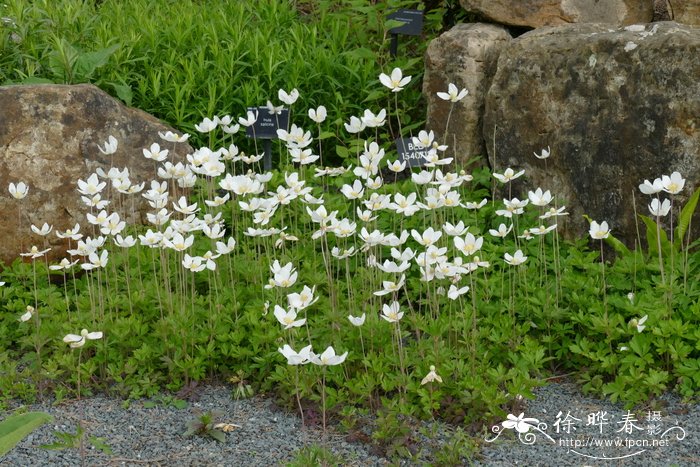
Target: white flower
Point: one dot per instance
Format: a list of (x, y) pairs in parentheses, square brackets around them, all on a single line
[(20, 191), (328, 357), (453, 94), (390, 286), (673, 184), (538, 198), (542, 230), (396, 81), (554, 212), (356, 125), (318, 115), (599, 231), (250, 118), (357, 321), (544, 155), (299, 301), (391, 312), (639, 323), (469, 244), (171, 137), (193, 263), (110, 146), (288, 319), (502, 231), (155, 153), (43, 231), (659, 209), (516, 259), (64, 264), (508, 175), (28, 314), (294, 358), (455, 230), (290, 98), (206, 125), (431, 376), (373, 121), (76, 341), (96, 261), (453, 293), (649, 188)]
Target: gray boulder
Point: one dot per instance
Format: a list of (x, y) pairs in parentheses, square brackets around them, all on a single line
[(616, 106), (538, 13), (466, 56), (49, 137), (686, 11)]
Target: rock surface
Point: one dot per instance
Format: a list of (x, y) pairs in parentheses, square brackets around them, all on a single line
[(466, 55), (538, 13), (616, 106), (661, 12), (49, 137), (686, 11)]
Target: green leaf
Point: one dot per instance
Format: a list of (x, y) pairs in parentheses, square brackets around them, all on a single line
[(218, 435), (326, 135), (652, 236), (36, 80), (341, 151), (684, 221), (124, 92), (15, 427), (88, 62)]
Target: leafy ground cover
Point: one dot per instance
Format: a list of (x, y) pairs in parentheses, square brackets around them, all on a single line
[(432, 292), (184, 60)]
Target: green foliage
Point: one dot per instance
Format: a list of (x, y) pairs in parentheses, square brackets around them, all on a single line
[(315, 456), (67, 440), (186, 60), (16, 426), (205, 425), (168, 328)]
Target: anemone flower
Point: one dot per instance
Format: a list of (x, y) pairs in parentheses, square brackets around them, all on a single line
[(544, 154), (599, 231), (357, 320), (76, 341), (432, 376), (396, 81), (508, 175), (290, 98), (173, 137), (288, 318), (328, 358), (206, 125), (659, 209), (516, 259), (391, 312), (19, 191), (673, 184), (318, 115), (110, 146), (294, 358), (453, 94)]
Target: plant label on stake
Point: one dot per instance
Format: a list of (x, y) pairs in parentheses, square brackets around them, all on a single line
[(412, 26), (409, 152), (265, 127)]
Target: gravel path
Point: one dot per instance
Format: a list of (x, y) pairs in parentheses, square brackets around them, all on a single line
[(267, 436)]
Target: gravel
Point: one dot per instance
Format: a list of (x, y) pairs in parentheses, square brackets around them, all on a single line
[(266, 435)]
